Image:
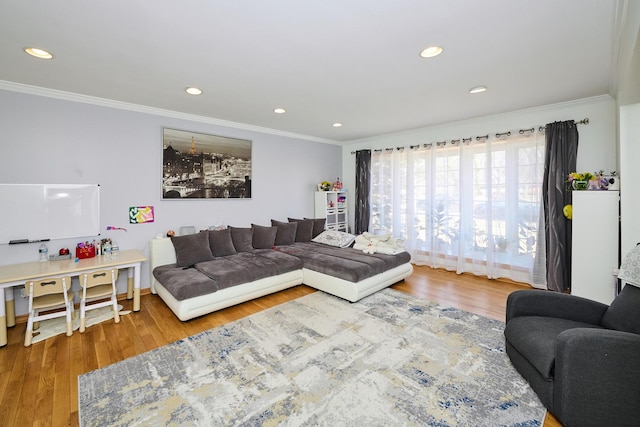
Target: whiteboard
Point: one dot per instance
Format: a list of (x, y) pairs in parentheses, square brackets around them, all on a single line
[(48, 211)]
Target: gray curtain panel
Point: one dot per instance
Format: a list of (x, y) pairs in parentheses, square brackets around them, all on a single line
[(560, 160), (363, 189)]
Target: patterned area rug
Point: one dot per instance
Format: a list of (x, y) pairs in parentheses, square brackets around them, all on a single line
[(390, 359)]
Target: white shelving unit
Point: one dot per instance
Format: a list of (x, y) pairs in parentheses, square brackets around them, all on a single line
[(332, 205), (594, 246)]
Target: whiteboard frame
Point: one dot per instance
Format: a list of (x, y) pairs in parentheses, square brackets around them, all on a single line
[(37, 212)]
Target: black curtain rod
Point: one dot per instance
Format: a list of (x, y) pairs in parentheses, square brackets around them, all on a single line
[(584, 121)]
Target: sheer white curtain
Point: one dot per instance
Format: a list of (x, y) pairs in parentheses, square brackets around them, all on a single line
[(469, 205)]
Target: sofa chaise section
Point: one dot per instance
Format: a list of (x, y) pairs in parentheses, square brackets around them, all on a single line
[(346, 272)]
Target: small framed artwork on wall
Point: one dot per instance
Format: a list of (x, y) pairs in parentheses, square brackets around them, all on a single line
[(201, 166)]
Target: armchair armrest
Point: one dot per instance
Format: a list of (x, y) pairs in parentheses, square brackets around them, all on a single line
[(597, 377), (554, 304)]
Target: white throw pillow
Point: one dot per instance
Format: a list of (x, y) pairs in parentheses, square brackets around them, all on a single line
[(335, 238)]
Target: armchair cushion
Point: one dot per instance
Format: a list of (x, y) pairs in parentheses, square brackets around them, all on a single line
[(624, 312), (535, 337)]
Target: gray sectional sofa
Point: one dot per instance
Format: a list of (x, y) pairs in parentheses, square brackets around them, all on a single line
[(207, 271)]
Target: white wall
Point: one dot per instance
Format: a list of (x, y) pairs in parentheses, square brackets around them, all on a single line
[(629, 159), (47, 140), (597, 147), (628, 96), (627, 62)]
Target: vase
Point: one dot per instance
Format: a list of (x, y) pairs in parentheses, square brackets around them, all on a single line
[(580, 185)]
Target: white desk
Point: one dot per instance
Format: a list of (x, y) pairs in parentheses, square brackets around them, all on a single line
[(17, 274)]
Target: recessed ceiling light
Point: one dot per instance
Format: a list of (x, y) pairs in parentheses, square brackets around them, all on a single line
[(279, 110), (193, 91), (337, 125), (477, 89), (431, 51), (38, 53)]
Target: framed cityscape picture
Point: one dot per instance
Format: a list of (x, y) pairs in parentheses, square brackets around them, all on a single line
[(201, 166)]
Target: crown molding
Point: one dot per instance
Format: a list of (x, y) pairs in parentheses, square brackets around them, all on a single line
[(110, 103), (479, 120)]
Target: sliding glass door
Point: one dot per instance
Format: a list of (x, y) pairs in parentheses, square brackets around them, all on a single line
[(465, 205)]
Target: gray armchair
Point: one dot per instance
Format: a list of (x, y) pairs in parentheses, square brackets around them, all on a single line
[(581, 357)]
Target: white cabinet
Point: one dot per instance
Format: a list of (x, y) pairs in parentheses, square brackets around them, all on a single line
[(332, 205), (594, 246)]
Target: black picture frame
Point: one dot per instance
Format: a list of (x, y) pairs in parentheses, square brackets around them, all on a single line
[(203, 166)]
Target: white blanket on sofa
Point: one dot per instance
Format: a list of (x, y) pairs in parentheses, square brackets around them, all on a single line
[(383, 244)]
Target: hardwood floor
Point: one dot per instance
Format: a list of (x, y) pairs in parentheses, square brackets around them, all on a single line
[(38, 385)]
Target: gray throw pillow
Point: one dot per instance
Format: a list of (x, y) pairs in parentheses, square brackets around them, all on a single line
[(318, 225), (624, 314), (221, 243), (304, 233), (263, 237), (286, 234), (242, 239), (192, 249)]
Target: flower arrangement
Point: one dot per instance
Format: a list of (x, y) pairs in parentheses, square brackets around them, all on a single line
[(580, 176), (325, 186), (588, 180)]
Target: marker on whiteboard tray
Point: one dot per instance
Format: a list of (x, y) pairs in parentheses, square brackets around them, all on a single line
[(17, 241)]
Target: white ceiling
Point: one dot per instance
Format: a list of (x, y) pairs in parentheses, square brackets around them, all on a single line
[(351, 61)]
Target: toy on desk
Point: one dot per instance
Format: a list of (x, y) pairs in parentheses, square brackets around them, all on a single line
[(111, 227), (85, 250), (62, 254)]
